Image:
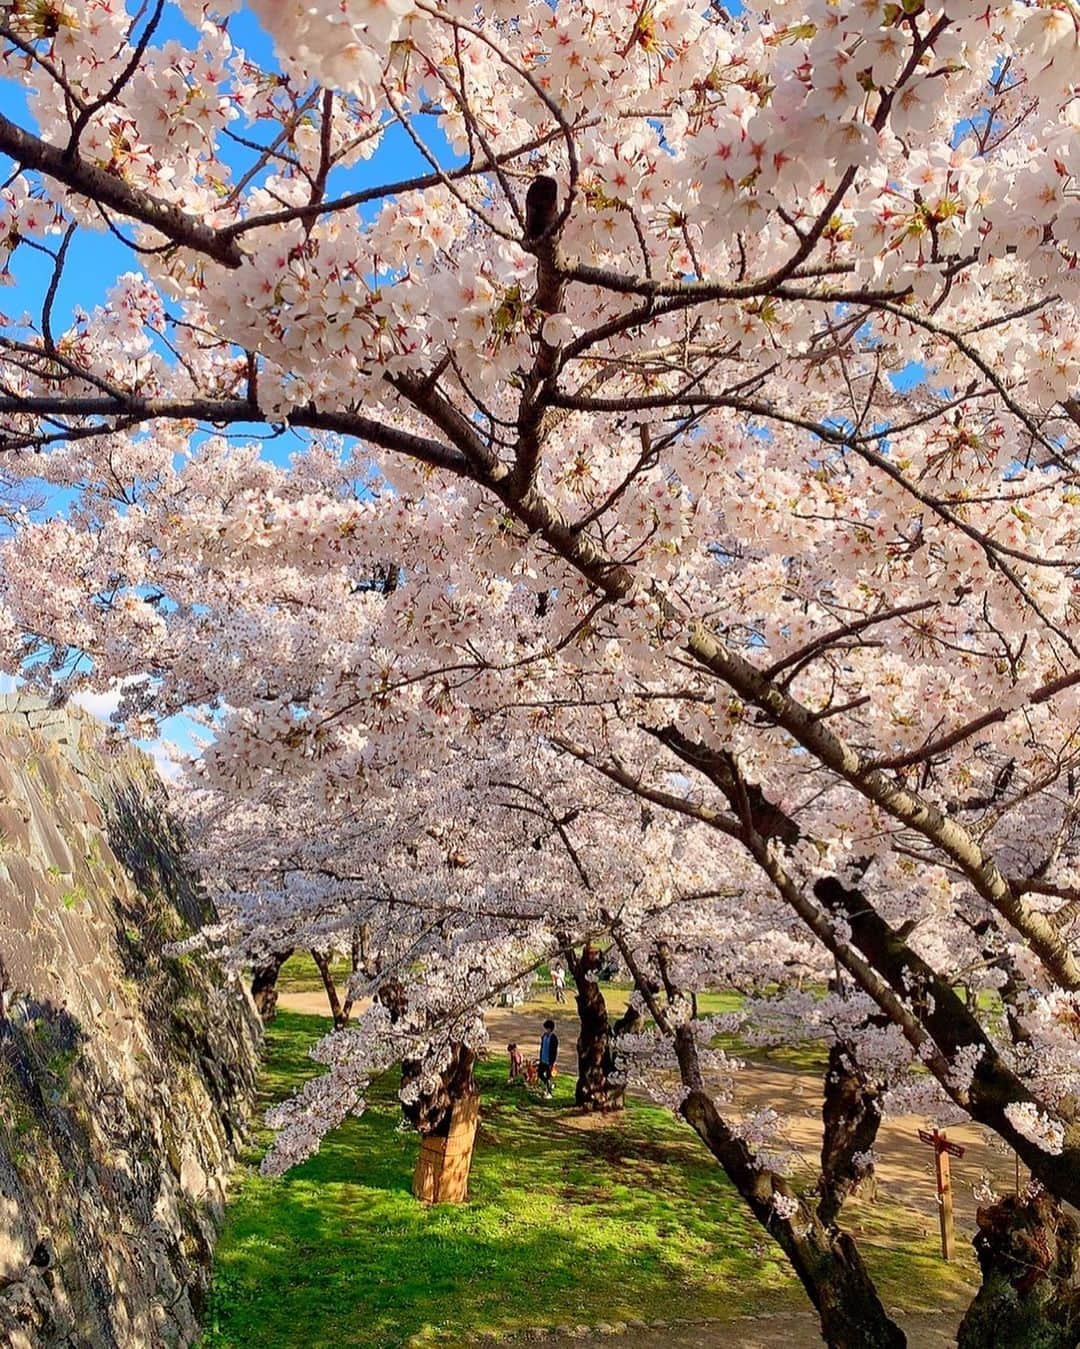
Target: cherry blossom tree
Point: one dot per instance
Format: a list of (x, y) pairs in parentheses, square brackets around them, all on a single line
[(708, 401), (469, 855)]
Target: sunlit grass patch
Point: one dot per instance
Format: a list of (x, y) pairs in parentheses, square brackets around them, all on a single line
[(571, 1220)]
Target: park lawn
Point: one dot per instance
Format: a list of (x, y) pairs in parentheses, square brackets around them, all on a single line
[(568, 1223), (300, 974)]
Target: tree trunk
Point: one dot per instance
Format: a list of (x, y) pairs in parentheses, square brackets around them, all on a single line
[(951, 1026), (442, 1168), (826, 1259), (264, 985), (361, 938), (595, 1089), (953, 1029), (1028, 1250), (430, 1113), (446, 1121), (339, 1013), (448, 1113), (851, 1115)]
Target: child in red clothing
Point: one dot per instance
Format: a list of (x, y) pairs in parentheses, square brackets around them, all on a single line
[(517, 1064)]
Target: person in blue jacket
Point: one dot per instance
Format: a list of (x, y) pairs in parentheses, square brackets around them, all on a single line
[(549, 1055)]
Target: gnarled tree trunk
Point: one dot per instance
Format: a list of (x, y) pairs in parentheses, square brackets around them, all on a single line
[(596, 1089), (825, 1258), (851, 1116), (1028, 1250), (264, 984), (597, 1086), (445, 1117)]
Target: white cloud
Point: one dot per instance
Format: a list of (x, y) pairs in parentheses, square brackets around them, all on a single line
[(101, 705)]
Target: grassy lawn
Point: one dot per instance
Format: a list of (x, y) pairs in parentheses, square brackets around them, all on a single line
[(300, 974), (566, 1225)]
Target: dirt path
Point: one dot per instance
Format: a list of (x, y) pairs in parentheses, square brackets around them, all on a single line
[(796, 1330), (906, 1166)]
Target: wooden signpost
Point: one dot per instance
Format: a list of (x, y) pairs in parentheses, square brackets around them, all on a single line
[(943, 1150)]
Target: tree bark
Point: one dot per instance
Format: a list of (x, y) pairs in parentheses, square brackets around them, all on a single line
[(264, 985), (597, 1088), (949, 1024), (430, 1112), (1028, 1250), (824, 1257), (339, 1013), (851, 1115), (446, 1121)]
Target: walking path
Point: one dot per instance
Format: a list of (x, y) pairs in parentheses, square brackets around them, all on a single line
[(906, 1166), (795, 1330)]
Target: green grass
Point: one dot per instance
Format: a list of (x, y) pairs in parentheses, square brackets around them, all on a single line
[(566, 1225), (300, 974)]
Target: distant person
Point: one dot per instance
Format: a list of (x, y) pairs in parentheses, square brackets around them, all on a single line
[(549, 1056), (558, 979), (517, 1064)]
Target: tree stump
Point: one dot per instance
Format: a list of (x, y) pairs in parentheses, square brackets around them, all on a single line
[(442, 1169)]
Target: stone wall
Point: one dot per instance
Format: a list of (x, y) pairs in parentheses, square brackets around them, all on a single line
[(126, 1077)]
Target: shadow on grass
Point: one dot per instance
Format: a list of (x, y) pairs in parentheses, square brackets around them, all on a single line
[(568, 1222)]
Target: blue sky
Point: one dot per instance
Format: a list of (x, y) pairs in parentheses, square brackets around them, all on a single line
[(96, 258)]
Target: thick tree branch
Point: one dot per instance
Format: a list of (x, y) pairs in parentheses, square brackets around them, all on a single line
[(108, 190)]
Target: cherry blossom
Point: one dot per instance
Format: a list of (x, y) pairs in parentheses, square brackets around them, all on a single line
[(700, 416)]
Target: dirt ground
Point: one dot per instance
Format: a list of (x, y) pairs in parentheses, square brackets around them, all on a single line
[(905, 1168), (797, 1330)]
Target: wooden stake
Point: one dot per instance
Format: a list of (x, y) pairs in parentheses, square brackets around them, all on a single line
[(945, 1204), (943, 1150)]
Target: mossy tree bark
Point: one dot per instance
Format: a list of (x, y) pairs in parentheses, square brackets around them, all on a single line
[(264, 984), (1028, 1250)]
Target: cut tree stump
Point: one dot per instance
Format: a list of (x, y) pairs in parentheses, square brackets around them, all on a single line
[(442, 1169)]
